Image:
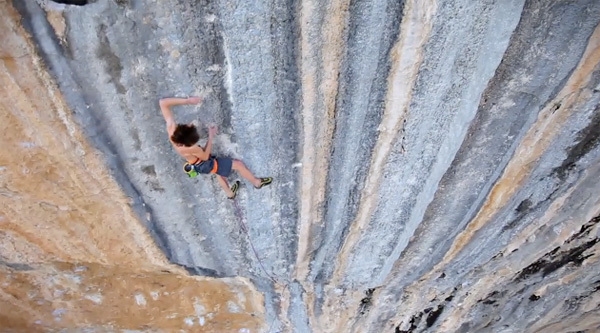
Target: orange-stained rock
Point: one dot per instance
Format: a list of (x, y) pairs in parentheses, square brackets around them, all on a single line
[(68, 295), (72, 252)]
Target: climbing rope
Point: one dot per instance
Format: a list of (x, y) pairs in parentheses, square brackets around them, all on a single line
[(244, 227), (240, 216)]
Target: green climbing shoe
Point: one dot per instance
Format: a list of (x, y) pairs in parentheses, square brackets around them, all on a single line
[(264, 181), (234, 188)]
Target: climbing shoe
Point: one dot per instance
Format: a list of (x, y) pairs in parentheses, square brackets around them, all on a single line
[(264, 181), (234, 188)]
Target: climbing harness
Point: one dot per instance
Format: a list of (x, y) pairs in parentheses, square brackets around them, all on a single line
[(208, 166)]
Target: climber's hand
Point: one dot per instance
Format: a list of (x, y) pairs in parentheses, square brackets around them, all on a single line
[(194, 100), (212, 130)]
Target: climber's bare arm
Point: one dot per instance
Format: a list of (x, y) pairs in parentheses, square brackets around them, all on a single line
[(212, 131), (200, 153), (165, 108)]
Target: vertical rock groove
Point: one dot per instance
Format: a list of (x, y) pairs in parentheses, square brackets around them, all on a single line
[(435, 166)]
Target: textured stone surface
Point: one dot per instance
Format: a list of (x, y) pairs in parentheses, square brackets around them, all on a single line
[(435, 163), (73, 254)]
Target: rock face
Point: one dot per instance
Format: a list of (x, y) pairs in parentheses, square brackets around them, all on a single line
[(73, 253), (436, 166)]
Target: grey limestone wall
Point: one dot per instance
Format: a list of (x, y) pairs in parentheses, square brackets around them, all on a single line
[(435, 163)]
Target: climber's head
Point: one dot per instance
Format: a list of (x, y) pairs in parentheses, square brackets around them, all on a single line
[(185, 135)]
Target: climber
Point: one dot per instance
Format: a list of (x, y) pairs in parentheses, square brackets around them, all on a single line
[(184, 138)]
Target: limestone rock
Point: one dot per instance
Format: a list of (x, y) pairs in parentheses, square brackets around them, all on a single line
[(435, 164)]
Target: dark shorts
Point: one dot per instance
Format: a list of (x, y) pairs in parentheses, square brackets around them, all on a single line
[(223, 165)]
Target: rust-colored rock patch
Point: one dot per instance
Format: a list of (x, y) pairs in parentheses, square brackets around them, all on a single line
[(72, 252)]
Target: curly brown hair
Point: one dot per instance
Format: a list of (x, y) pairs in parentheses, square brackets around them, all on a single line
[(185, 134)]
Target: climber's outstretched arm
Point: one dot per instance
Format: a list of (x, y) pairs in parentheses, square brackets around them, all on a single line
[(165, 108)]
